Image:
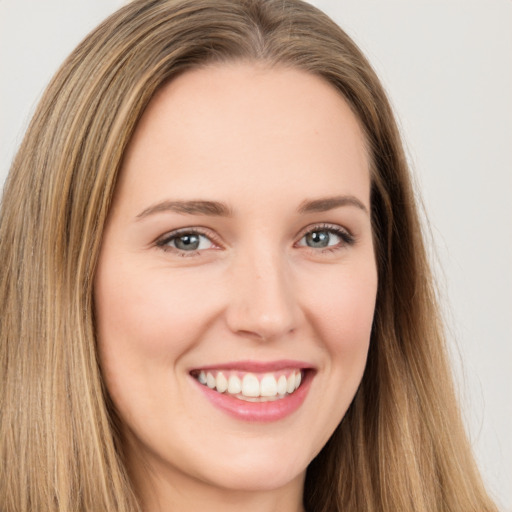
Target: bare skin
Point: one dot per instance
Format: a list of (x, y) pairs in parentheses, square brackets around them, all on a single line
[(239, 234)]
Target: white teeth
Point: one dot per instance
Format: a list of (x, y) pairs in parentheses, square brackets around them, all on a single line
[(210, 380), (281, 385), (222, 383), (250, 385), (268, 385), (298, 378), (234, 385), (290, 383)]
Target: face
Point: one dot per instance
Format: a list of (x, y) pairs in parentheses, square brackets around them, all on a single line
[(236, 283)]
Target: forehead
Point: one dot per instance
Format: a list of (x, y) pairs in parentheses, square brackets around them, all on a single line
[(247, 127)]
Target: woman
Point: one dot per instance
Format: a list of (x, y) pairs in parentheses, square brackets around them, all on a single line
[(215, 291)]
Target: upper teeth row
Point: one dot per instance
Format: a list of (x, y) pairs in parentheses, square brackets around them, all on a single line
[(250, 385)]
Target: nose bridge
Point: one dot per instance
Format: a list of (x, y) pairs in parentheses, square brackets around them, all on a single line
[(262, 302)]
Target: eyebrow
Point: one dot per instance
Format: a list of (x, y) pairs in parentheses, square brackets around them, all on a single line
[(194, 207), (218, 209), (330, 203)]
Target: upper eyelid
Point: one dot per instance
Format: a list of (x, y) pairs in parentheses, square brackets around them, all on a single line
[(162, 239), (217, 241), (323, 226), (203, 230), (347, 237)]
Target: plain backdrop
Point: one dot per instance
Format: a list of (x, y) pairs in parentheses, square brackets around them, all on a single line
[(447, 66)]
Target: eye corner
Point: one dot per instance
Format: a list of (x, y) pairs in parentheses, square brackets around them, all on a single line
[(326, 232), (185, 242)]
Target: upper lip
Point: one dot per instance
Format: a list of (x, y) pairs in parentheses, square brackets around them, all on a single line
[(257, 366)]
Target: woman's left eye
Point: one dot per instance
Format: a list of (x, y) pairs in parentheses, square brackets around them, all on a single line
[(190, 242), (186, 241), (325, 238)]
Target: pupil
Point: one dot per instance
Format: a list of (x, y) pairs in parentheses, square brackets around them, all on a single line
[(318, 239), (187, 242)]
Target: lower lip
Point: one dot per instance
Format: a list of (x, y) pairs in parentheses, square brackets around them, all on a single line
[(263, 412)]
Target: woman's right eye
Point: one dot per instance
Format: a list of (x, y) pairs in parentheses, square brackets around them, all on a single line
[(186, 242)]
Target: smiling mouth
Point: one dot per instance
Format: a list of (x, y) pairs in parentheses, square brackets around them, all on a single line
[(252, 386)]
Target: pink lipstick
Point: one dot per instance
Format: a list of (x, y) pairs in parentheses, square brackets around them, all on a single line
[(255, 391)]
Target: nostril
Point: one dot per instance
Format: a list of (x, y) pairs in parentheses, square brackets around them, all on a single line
[(264, 333)]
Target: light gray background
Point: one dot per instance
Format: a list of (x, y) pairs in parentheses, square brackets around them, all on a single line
[(447, 66)]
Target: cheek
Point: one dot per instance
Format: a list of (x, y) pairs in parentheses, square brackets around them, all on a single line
[(147, 312), (145, 323), (341, 310), (342, 307), (147, 319)]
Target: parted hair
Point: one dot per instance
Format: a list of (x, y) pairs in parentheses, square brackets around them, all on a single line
[(401, 447)]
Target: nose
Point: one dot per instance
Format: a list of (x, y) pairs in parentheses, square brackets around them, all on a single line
[(262, 302)]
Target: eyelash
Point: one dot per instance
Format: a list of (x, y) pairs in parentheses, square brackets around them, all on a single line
[(347, 239), (163, 242)]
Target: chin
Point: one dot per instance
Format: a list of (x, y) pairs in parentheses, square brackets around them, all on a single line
[(259, 478), (260, 470)]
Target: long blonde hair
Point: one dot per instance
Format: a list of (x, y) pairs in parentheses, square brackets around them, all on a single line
[(401, 445)]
